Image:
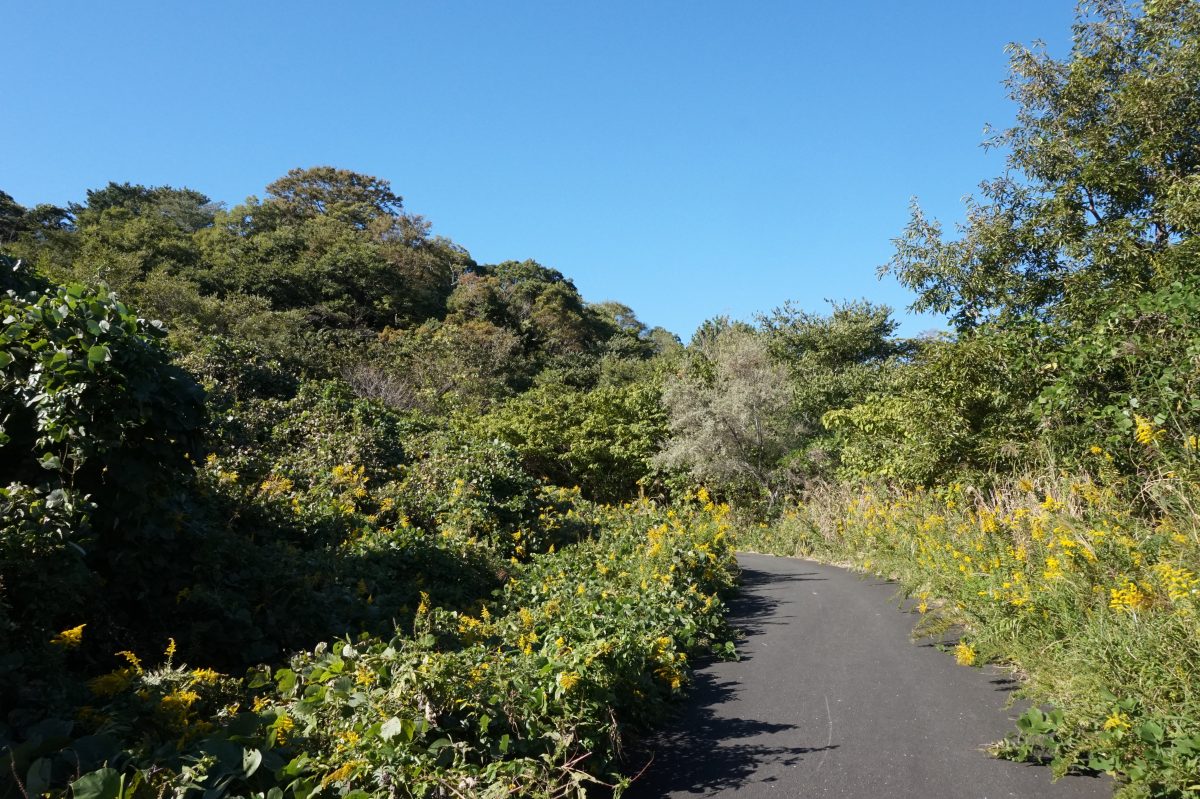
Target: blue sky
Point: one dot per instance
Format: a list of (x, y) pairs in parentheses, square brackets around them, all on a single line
[(686, 158)]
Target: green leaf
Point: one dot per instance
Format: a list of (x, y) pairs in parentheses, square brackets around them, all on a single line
[(251, 760), (286, 680), (1150, 732), (391, 728), (104, 783), (37, 781), (98, 354)]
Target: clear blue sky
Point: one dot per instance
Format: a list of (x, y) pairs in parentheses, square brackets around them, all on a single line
[(686, 158)]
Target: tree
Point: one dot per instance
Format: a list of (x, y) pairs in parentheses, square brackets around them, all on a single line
[(12, 218), (186, 209), (834, 361), (535, 301), (601, 440), (437, 366), (1102, 193), (729, 414), (336, 245), (351, 197)]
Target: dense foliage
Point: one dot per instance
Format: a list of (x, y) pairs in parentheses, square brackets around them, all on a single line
[(320, 528)]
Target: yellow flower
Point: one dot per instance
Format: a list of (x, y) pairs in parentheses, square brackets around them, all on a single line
[(69, 639), (1127, 598), (1051, 504), (568, 680), (1116, 720), (423, 607), (283, 725), (1178, 582), (964, 654), (525, 642), (340, 774), (275, 485), (180, 700), (132, 660), (205, 676), (112, 683), (1145, 433)]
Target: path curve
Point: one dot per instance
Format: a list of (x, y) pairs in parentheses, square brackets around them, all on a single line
[(833, 699)]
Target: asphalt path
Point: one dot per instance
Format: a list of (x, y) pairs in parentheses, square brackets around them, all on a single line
[(833, 698)]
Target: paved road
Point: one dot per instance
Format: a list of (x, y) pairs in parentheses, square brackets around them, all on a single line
[(833, 699)]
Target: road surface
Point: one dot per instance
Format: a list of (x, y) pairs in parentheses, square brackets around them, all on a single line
[(832, 698)]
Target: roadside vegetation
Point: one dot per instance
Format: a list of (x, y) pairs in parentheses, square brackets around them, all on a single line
[(318, 529), (299, 500)]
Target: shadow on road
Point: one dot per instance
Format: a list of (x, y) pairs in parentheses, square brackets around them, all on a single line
[(756, 601), (702, 751)]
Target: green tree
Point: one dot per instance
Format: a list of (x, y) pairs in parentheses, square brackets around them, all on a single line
[(956, 405), (601, 440), (335, 245), (834, 361), (1102, 194), (12, 218)]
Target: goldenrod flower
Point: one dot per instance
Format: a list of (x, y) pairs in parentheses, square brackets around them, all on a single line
[(275, 486), (134, 662), (1116, 720), (568, 680), (1145, 432), (69, 639), (283, 725), (111, 684), (180, 700), (1127, 598), (964, 654), (205, 676), (1178, 582)]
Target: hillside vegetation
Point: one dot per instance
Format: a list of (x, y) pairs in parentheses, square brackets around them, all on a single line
[(355, 515), (298, 499)]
